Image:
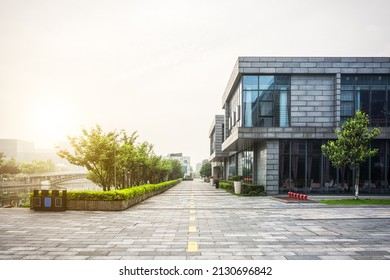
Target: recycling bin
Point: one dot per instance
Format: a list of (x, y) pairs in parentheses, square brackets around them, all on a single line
[(49, 200)]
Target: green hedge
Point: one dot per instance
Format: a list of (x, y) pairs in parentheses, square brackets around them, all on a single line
[(252, 190), (226, 185), (124, 194), (246, 189)]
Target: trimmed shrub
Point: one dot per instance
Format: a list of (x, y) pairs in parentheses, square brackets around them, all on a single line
[(252, 190), (124, 194), (246, 189), (226, 185)]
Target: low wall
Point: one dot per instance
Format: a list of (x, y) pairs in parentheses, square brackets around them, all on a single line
[(110, 205)]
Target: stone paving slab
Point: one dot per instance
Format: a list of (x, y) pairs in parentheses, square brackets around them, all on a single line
[(223, 226)]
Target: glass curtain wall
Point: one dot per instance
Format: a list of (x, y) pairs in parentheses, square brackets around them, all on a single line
[(247, 166), (368, 93), (232, 171), (303, 169), (265, 100), (234, 110)]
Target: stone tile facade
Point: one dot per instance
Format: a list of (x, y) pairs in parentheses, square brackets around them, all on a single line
[(314, 108)]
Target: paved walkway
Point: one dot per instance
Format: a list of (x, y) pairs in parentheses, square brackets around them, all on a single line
[(196, 221)]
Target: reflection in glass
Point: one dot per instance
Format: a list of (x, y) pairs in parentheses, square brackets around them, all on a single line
[(266, 82), (250, 82), (247, 166), (267, 107), (283, 109), (304, 169), (368, 93)]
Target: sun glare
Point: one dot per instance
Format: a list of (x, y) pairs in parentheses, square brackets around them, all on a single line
[(52, 121)]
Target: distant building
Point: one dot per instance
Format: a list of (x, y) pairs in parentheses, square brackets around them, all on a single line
[(216, 135), (185, 162), (17, 149), (197, 169), (24, 151)]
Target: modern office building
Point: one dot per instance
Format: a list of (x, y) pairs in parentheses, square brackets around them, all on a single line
[(280, 110)]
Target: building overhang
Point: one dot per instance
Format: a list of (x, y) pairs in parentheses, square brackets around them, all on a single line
[(218, 156), (242, 138)]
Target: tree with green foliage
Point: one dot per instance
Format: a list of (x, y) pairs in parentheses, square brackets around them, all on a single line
[(10, 166), (116, 161), (352, 147), (37, 166), (96, 151), (205, 170), (176, 169)]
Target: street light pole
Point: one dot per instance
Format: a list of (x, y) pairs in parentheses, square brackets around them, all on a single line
[(115, 164)]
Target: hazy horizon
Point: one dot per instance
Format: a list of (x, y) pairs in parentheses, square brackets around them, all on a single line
[(157, 67)]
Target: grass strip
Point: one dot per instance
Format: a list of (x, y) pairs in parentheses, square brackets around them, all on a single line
[(353, 201)]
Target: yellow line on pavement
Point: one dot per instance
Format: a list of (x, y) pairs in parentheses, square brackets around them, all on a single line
[(192, 218), (191, 229), (192, 246)]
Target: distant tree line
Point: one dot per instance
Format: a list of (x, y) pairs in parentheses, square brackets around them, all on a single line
[(115, 160), (13, 167)]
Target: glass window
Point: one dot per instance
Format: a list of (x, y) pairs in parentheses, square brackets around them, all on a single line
[(370, 94), (232, 166), (346, 95), (347, 80), (378, 106), (247, 163), (250, 101), (347, 87), (267, 82), (266, 109), (266, 95), (250, 82), (379, 80), (363, 80), (365, 101), (268, 106), (283, 109), (347, 109)]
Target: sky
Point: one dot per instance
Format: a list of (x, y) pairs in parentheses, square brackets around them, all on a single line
[(157, 67)]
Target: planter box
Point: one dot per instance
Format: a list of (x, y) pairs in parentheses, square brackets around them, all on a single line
[(109, 205), (237, 187)]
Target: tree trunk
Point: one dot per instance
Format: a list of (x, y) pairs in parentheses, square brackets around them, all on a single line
[(357, 176)]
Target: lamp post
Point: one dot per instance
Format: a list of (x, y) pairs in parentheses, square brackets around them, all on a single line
[(115, 164)]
